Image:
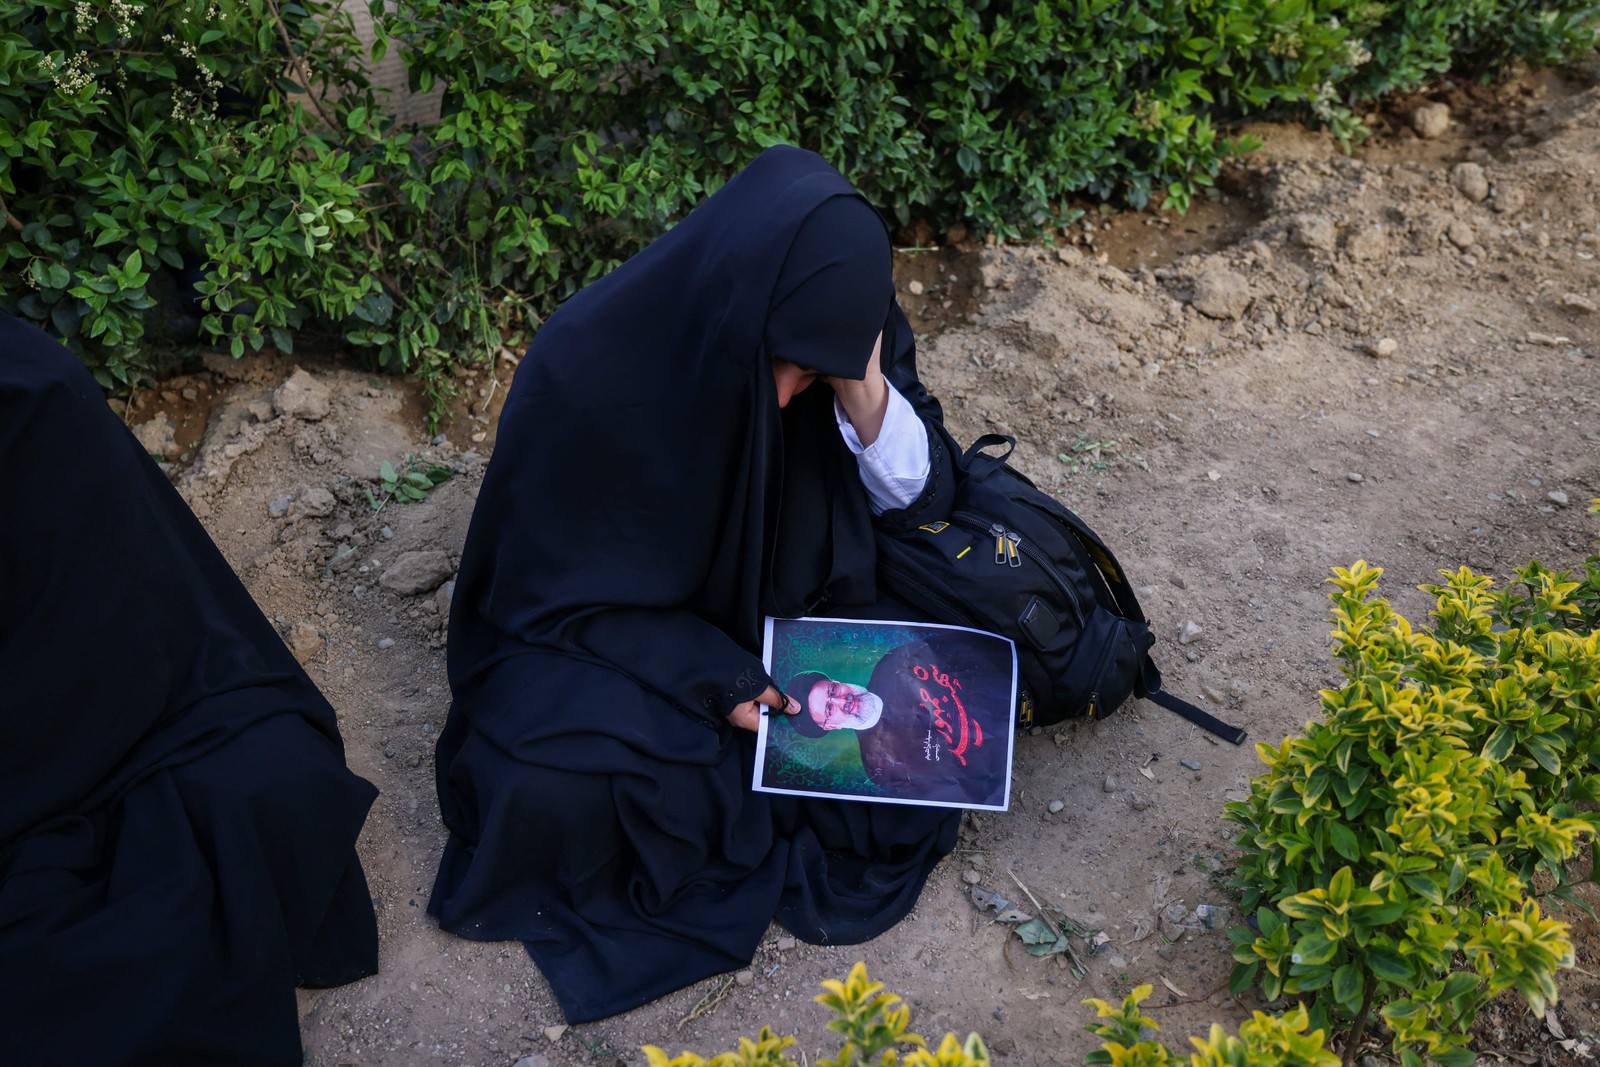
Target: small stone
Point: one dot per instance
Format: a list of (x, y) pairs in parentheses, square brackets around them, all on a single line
[(1469, 180), (190, 393), (385, 642), (1167, 951), (1116, 963), (386, 533), (1314, 328), (1192, 764), (1556, 497), (304, 641), (1356, 476), (787, 944), (1140, 802), (388, 753), (417, 572), (1179, 581), (1314, 231), (1576, 302), (479, 437), (971, 877), (1109, 785), (278, 506), (1212, 916), (313, 503), (1055, 806), (1383, 348), (1192, 656), (532, 1061), (1431, 121), (914, 287), (1191, 632), (554, 1033), (158, 436), (302, 397), (1221, 294), (1461, 234), (745, 977)]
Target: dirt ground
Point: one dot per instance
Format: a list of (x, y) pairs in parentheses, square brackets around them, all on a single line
[(1389, 357)]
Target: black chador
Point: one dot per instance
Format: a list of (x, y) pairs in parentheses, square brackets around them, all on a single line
[(177, 825), (647, 504)]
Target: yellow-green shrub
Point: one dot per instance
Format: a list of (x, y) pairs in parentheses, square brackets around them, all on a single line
[(1397, 840), (872, 1023), (1264, 1040)]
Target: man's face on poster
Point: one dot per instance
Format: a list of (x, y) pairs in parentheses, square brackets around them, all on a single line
[(842, 706)]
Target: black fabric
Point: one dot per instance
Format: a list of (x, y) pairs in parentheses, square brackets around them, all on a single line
[(647, 504), (177, 825)]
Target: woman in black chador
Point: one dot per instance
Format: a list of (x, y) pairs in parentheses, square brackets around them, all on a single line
[(663, 479), (177, 826)]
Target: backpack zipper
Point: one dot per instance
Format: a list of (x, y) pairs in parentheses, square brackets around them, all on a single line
[(1014, 544)]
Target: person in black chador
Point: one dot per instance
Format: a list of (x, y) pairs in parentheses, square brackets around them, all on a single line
[(664, 478), (177, 826), (931, 721)]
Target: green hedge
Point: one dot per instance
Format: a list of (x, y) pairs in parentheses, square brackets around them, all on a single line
[(140, 138)]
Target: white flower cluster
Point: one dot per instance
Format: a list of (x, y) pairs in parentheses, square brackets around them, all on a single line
[(71, 76), (1356, 53), (1322, 101), (85, 16), (123, 13)]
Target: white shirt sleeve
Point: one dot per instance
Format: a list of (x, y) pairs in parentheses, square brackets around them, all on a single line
[(894, 468)]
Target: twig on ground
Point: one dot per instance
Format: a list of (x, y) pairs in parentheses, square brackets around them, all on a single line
[(709, 1001), (1061, 935)]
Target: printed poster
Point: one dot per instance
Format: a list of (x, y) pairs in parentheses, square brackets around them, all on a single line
[(891, 712)]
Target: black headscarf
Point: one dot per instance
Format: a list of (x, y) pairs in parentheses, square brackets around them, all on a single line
[(177, 826), (647, 504)]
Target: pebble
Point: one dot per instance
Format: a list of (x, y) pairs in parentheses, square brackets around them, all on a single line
[(1469, 180), (386, 533), (971, 877), (915, 288), (1055, 806), (786, 944), (1179, 581), (745, 977), (1383, 348), (1578, 303), (190, 394), (532, 1061), (1191, 632), (1314, 328), (1192, 656), (1556, 497), (1192, 764), (1140, 802), (417, 572), (1221, 294), (388, 753), (1109, 785), (554, 1033), (1167, 951), (439, 439), (1431, 121), (1461, 234), (1355, 476), (278, 506), (386, 642)]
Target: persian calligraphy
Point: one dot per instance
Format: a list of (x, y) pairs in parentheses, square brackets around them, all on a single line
[(941, 694)]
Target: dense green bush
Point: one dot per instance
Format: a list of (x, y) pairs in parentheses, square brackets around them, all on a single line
[(140, 138)]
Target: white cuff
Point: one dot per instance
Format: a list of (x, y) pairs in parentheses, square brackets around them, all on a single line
[(894, 468)]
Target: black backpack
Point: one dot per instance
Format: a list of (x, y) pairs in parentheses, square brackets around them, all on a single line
[(1011, 560)]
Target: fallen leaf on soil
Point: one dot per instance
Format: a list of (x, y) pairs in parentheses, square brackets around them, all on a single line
[(1554, 1025), (1148, 773)]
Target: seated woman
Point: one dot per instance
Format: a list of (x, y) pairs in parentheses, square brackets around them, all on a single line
[(664, 479), (177, 825)]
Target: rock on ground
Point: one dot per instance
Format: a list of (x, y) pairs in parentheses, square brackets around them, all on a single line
[(1431, 121), (157, 436), (417, 572), (1221, 294), (302, 397)]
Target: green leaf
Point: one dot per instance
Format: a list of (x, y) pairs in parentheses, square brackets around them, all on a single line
[(1243, 977), (1347, 987), (1343, 840), (1389, 965), (386, 472)]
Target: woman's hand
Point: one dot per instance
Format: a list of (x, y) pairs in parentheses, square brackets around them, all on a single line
[(865, 401), (747, 716)]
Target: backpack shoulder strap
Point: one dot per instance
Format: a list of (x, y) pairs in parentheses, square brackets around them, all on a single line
[(1150, 689)]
